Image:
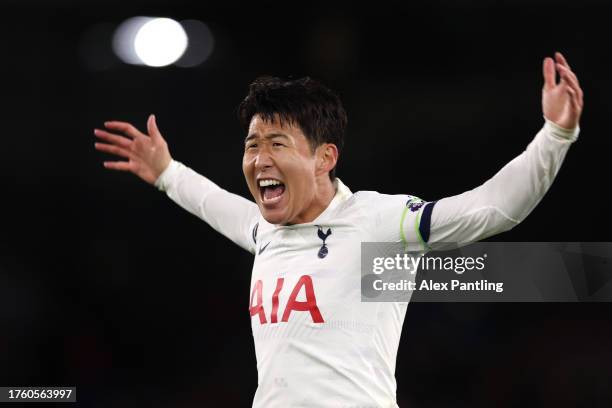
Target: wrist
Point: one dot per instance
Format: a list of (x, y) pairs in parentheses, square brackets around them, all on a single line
[(561, 132), (163, 179)]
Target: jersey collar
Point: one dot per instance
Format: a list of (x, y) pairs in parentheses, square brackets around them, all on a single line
[(343, 193)]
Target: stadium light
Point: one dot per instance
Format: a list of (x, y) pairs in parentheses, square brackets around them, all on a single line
[(155, 42), (123, 39), (160, 42)]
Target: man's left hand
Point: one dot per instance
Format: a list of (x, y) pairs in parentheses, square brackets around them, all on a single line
[(561, 102)]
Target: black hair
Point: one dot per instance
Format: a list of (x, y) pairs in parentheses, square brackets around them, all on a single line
[(304, 102)]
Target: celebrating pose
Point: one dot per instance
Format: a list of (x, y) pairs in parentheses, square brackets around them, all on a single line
[(317, 344)]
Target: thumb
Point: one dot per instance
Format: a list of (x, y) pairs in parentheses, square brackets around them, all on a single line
[(154, 132)]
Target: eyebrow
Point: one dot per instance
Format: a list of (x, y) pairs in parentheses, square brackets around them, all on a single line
[(268, 136)]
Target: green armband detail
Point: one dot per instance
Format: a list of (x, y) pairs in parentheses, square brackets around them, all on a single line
[(402, 235), (417, 223)]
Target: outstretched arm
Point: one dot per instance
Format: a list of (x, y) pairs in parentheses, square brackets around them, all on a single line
[(230, 214), (148, 157), (509, 196)]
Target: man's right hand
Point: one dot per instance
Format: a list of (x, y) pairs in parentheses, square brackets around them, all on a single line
[(148, 155)]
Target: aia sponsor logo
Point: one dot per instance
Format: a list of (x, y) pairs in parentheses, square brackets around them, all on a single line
[(305, 284)]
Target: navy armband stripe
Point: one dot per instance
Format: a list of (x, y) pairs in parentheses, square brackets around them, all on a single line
[(425, 224)]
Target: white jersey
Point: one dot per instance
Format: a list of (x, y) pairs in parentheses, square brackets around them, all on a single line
[(317, 344)]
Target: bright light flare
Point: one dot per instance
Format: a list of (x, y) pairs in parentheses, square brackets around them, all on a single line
[(155, 42), (160, 42)]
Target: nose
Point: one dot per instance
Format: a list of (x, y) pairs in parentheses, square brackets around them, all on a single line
[(263, 160)]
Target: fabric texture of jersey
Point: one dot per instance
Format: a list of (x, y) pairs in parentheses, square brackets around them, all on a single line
[(316, 343)]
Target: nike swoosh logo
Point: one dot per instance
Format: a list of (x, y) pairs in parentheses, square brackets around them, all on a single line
[(263, 248)]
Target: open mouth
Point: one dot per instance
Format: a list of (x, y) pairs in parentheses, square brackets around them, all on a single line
[(271, 190)]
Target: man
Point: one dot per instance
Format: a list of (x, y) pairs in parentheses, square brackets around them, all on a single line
[(317, 344)]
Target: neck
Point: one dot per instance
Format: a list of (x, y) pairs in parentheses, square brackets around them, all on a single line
[(325, 191)]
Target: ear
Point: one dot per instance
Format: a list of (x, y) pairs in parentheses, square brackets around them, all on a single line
[(327, 157)]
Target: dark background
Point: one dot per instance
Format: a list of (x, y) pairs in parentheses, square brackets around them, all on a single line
[(107, 285)]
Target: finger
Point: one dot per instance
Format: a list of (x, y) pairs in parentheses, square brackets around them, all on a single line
[(548, 69), (574, 101), (568, 71), (113, 139), (118, 165), (561, 59), (118, 151), (578, 92), (126, 128), (566, 75), (572, 81), (152, 128)]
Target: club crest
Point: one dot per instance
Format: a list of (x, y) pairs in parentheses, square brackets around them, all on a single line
[(323, 251)]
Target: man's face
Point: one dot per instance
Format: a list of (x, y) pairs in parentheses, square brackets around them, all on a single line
[(279, 167)]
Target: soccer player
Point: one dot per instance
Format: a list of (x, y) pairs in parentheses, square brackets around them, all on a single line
[(316, 343)]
